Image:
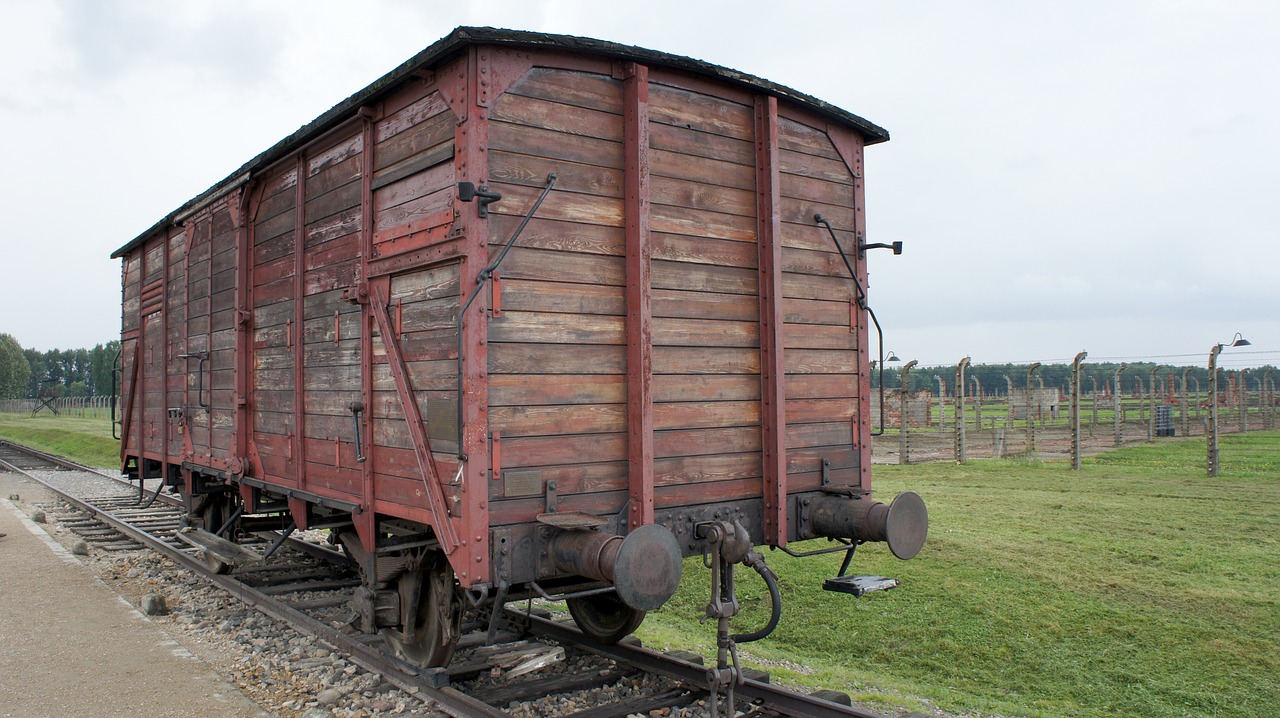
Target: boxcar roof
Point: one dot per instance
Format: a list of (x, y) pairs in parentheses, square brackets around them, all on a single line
[(462, 37)]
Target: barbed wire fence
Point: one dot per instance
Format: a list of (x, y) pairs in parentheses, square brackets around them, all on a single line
[(958, 418), (85, 407)]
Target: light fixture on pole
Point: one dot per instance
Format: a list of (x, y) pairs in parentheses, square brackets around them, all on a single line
[(1237, 341)]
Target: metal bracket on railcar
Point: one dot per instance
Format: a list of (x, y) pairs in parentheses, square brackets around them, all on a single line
[(729, 544), (862, 300), (466, 192)]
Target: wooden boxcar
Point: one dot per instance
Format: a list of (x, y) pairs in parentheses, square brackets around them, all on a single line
[(670, 339)]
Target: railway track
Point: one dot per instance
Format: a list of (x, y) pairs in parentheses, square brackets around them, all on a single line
[(532, 666)]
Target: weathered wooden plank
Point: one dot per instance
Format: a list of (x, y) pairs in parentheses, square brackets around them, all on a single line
[(704, 250), (813, 311), (342, 249), (409, 116), (706, 305), (816, 411), (705, 332), (706, 387), (549, 265), (565, 206), (539, 142), (705, 414), (515, 421), (698, 223), (335, 173), (808, 286), (563, 450), (510, 358), (539, 296), (820, 361), (332, 202), (712, 171), (704, 278), (705, 360), (832, 194), (524, 390), (820, 386), (422, 137), (693, 470), (552, 328), (818, 336), (423, 284), (415, 186), (815, 167), (561, 236), (799, 137), (701, 442), (703, 196), (340, 224), (516, 169), (580, 89), (566, 119), (713, 115), (419, 208)]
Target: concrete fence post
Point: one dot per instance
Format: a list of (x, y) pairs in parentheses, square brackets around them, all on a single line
[(1211, 431), (1116, 401), (959, 402), (1075, 410), (1031, 426), (942, 402), (1242, 396), (1093, 403), (1151, 411), (1009, 419), (1266, 401), (904, 442), (1184, 403)]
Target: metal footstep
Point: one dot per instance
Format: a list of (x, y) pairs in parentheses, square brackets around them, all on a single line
[(858, 585)]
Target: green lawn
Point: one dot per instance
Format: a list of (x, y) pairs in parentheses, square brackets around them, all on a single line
[(1135, 587), (87, 441)]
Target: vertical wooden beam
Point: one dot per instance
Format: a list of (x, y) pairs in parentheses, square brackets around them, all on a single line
[(299, 451), (366, 317), (243, 422), (639, 293), (773, 421), (471, 139)]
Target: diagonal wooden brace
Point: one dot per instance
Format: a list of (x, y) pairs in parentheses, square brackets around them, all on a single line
[(443, 525)]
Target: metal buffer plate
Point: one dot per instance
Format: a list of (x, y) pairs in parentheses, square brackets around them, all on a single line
[(647, 570)]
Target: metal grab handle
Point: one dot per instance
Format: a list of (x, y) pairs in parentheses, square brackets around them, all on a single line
[(203, 357), (862, 302), (357, 408)]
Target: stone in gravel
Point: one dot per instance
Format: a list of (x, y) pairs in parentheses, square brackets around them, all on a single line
[(153, 605), (14, 497), (318, 713), (80, 548), (38, 517), (329, 696)]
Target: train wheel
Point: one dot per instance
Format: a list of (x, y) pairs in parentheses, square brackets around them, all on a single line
[(604, 617), (438, 617)]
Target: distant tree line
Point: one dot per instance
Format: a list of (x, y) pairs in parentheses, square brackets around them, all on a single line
[(992, 376), (25, 373)]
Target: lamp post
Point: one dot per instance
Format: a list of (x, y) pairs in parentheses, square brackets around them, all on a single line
[(1212, 441)]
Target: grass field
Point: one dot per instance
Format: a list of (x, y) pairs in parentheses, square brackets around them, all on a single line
[(85, 440), (1135, 587)]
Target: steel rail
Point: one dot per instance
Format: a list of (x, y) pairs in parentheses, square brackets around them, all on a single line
[(790, 702), (404, 676)]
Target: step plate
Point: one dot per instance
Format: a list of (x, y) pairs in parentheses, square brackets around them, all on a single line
[(858, 585)]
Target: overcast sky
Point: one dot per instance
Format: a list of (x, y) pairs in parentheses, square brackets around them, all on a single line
[(1066, 176)]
